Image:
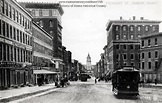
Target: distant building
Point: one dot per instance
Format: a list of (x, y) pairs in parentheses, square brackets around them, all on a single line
[(151, 57), (123, 41), (88, 63)]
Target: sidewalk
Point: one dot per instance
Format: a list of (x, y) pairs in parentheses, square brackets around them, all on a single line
[(152, 85), (11, 94)]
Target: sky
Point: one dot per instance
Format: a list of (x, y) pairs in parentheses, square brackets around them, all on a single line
[(84, 27)]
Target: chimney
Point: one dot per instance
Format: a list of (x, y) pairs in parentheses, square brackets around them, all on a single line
[(121, 18), (141, 18), (134, 18)]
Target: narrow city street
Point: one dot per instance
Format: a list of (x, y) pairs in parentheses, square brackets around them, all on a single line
[(88, 92)]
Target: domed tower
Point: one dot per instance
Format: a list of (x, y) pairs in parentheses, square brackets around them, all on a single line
[(88, 63)]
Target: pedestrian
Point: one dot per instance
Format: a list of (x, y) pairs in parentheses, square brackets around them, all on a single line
[(95, 80), (155, 81)]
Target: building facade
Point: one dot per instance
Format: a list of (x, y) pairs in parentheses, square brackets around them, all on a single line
[(42, 54), (123, 41), (151, 57), (48, 16), (15, 45)]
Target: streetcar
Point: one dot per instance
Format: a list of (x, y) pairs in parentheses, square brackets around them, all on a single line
[(84, 76), (125, 81)]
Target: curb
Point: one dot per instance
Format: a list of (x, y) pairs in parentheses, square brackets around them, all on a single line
[(8, 99)]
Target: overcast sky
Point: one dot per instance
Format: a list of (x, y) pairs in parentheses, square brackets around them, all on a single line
[(84, 28)]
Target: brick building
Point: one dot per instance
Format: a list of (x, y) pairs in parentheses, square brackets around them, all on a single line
[(48, 16), (15, 45), (123, 40), (151, 57)]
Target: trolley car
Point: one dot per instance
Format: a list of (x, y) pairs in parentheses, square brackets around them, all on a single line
[(125, 81)]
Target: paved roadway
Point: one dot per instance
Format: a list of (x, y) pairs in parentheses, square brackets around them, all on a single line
[(88, 92)]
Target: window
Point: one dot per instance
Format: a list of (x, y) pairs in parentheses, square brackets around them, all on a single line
[(3, 28), (132, 56), (155, 41), (131, 37), (156, 64), (125, 63), (40, 12), (124, 36), (117, 46), (143, 55), (143, 65), (51, 23), (13, 13), (50, 12), (19, 18), (149, 54), (17, 35), (132, 64), (22, 19), (125, 56), (156, 54), (142, 43), (125, 47), (20, 36), (10, 11), (124, 28), (117, 56), (146, 28), (131, 28), (7, 29), (131, 46), (117, 28), (139, 28), (149, 41), (153, 28), (16, 16), (33, 12), (117, 37), (139, 35), (6, 8), (10, 31), (14, 33), (149, 65), (2, 6)]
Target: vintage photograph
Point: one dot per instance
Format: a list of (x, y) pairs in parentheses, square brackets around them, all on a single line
[(80, 51)]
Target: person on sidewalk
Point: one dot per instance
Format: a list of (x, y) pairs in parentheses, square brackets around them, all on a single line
[(95, 80), (155, 81)]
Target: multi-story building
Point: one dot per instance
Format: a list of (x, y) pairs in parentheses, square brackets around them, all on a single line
[(42, 54), (151, 57), (48, 16), (123, 40), (67, 61), (15, 44)]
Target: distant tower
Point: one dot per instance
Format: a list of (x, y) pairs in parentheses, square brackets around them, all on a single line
[(88, 63)]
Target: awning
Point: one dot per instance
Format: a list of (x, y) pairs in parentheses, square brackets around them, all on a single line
[(43, 72)]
